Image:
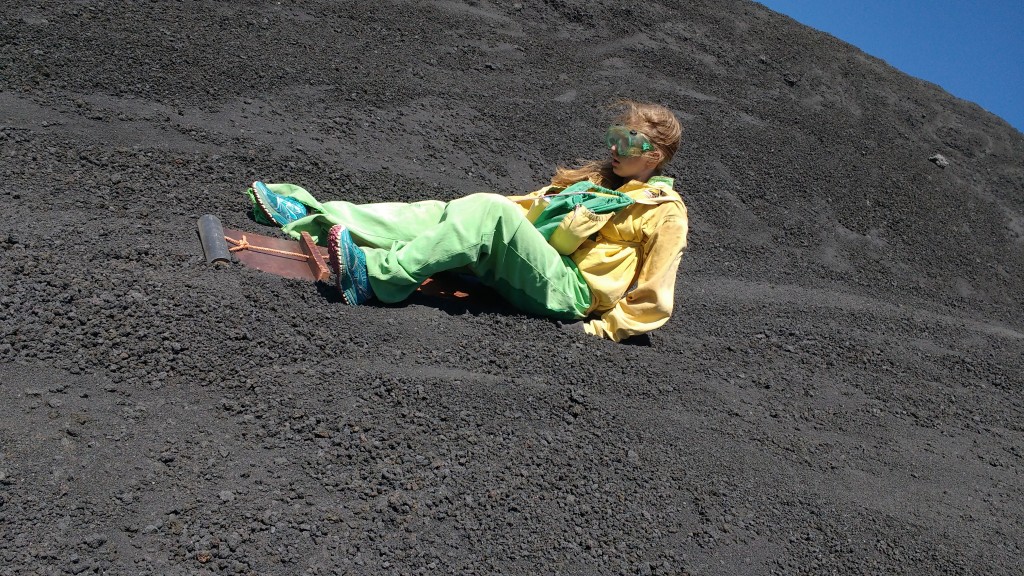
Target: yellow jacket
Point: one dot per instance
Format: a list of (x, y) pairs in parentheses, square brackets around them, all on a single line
[(631, 263)]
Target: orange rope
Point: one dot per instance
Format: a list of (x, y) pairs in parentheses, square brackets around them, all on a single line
[(243, 244)]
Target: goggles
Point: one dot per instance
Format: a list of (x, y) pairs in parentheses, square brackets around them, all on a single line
[(627, 142)]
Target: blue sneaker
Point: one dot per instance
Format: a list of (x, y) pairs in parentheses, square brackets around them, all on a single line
[(349, 264), (280, 209)]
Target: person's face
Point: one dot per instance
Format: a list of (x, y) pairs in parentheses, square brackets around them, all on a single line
[(630, 167), (633, 156)]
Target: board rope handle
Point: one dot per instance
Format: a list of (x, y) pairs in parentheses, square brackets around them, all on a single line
[(244, 244)]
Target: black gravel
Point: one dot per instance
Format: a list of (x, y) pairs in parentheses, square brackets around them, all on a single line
[(839, 391)]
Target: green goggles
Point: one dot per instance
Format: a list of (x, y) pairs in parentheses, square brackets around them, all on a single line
[(627, 142)]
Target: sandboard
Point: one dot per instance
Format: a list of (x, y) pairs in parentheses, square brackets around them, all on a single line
[(301, 259)]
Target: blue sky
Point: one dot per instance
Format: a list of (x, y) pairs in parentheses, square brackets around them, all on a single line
[(973, 49)]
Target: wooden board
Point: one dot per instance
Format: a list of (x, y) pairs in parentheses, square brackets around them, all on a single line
[(290, 260), (300, 259)]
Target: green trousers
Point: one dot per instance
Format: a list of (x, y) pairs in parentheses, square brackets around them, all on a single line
[(485, 234)]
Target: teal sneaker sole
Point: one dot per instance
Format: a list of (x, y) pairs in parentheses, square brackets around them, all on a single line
[(280, 209), (349, 264)]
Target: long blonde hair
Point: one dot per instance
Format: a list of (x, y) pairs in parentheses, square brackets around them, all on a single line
[(656, 121)]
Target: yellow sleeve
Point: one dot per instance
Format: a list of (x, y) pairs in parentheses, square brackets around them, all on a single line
[(649, 305)]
